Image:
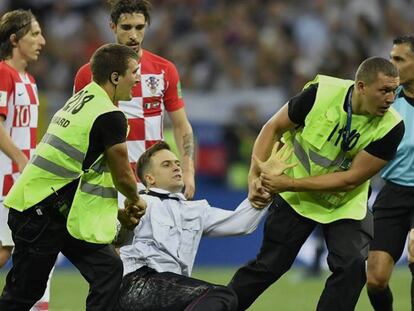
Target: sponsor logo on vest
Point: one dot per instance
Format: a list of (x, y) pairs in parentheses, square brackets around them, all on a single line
[(60, 121)]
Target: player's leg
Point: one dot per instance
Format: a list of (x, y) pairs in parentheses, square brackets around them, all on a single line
[(390, 233), (6, 241), (379, 269), (347, 241), (411, 257), (284, 234), (146, 289), (5, 253), (391, 224)]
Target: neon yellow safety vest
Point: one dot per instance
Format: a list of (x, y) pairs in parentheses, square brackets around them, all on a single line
[(58, 161), (317, 150)]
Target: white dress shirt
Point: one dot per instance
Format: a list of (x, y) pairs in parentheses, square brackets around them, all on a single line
[(168, 235)]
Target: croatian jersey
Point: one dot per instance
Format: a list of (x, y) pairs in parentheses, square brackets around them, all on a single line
[(19, 106), (158, 91)]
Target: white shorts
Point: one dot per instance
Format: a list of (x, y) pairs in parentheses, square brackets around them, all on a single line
[(5, 233)]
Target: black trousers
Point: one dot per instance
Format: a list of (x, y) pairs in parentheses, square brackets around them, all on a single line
[(285, 232), (148, 290), (38, 240)]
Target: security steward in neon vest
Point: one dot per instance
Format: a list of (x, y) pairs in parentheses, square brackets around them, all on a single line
[(66, 198), (340, 133)]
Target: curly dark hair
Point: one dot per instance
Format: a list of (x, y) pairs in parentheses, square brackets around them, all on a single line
[(119, 7)]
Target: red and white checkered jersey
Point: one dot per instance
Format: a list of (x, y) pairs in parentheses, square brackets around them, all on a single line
[(158, 91), (19, 105)]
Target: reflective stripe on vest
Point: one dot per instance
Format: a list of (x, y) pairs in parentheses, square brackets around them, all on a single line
[(301, 155), (63, 146), (319, 155), (53, 168), (100, 167), (100, 191), (315, 157), (325, 162), (59, 160)]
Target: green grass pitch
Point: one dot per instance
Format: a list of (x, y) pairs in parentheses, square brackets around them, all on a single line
[(291, 293)]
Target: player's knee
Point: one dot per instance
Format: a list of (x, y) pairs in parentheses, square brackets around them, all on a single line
[(5, 253), (377, 281), (410, 255), (411, 245)]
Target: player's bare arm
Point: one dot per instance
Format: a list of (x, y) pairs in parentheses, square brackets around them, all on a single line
[(184, 139), (10, 149)]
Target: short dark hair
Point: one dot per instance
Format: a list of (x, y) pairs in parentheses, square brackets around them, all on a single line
[(405, 39), (119, 7), (145, 159), (110, 58), (17, 22), (370, 68)]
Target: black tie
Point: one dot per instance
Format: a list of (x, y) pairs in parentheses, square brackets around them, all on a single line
[(162, 196)]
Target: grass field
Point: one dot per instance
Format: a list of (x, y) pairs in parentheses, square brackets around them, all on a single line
[(290, 293)]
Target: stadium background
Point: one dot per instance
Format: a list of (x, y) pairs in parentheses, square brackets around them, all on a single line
[(239, 61)]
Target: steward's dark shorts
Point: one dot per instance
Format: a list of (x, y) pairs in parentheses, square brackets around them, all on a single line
[(393, 218)]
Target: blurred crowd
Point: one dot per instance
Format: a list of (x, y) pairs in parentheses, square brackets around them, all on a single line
[(227, 44)]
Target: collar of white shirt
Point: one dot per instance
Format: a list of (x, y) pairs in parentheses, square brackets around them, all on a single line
[(174, 196)]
